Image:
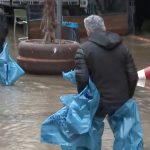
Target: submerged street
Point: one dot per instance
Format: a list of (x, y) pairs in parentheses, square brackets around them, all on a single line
[(24, 105)]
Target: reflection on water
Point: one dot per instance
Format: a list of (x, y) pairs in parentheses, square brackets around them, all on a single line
[(24, 105), (139, 47), (142, 95)]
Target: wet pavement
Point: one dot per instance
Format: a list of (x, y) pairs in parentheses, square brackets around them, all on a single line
[(32, 98)]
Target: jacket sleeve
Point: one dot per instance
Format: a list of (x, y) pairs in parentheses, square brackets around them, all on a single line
[(81, 70), (132, 75)]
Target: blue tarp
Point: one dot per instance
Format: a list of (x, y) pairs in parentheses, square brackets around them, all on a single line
[(70, 24), (74, 127), (126, 127), (10, 71)]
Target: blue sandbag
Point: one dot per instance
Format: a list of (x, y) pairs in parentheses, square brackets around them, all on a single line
[(10, 71)]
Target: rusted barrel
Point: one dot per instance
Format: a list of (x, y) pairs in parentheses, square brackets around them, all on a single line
[(38, 58)]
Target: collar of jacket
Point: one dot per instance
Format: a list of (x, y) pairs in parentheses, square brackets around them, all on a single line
[(106, 39)]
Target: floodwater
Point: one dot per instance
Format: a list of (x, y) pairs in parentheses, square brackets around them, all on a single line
[(32, 98)]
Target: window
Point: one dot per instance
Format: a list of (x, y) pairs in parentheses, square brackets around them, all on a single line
[(108, 6)]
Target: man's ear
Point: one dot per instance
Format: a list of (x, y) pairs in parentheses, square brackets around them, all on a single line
[(87, 31)]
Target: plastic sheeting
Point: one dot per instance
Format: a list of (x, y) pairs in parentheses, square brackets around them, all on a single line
[(74, 127), (126, 127), (10, 71)]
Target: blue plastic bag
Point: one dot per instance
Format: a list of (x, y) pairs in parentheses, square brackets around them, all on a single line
[(90, 140), (10, 71), (70, 76), (74, 127), (126, 127)]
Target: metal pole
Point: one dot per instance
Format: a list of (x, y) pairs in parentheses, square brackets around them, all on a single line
[(59, 19)]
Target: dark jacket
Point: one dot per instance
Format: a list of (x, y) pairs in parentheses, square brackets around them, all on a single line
[(110, 66), (3, 29)]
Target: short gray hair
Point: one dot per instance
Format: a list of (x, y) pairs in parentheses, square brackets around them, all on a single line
[(94, 22)]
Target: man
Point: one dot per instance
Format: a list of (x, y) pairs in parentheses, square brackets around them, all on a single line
[(3, 28), (10, 71), (109, 64)]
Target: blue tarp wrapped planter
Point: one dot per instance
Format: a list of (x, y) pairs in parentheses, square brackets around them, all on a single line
[(10, 71), (74, 127)]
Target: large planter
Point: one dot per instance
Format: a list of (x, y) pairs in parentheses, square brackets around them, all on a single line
[(38, 58)]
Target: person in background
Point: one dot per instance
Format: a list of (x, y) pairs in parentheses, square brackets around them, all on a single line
[(109, 64), (10, 71), (3, 28)]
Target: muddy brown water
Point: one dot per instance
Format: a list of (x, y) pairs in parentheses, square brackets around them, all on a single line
[(32, 98)]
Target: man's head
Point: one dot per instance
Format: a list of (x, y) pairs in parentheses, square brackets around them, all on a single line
[(94, 23)]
